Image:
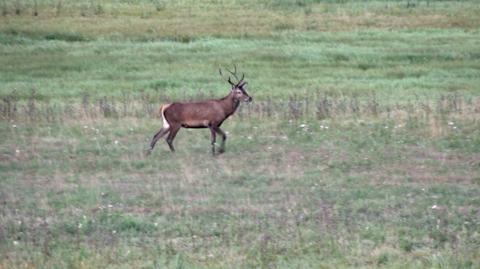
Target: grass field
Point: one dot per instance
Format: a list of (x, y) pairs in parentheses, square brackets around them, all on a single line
[(361, 148)]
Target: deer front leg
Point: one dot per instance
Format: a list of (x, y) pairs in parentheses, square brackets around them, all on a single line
[(214, 138), (224, 137)]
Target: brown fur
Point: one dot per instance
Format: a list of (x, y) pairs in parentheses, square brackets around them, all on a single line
[(207, 114)]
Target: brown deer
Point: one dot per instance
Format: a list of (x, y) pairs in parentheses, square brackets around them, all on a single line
[(206, 114)]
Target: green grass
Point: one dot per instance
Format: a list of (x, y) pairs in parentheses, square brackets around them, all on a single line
[(393, 65), (361, 148), (350, 195)]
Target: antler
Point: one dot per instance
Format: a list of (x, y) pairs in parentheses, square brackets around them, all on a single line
[(241, 80), (231, 83), (229, 79), (234, 73)]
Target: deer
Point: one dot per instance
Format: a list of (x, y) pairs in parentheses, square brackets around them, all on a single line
[(203, 114)]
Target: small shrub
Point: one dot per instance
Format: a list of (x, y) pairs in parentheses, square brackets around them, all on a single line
[(283, 27), (35, 8), (406, 245), (4, 8), (70, 37), (340, 58), (58, 7), (18, 8), (382, 259), (98, 9), (365, 66), (160, 5)]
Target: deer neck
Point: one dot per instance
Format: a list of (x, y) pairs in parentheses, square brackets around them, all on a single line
[(229, 104)]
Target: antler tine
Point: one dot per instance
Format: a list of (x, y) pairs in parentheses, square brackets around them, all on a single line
[(241, 80), (221, 74), (230, 81), (234, 73)]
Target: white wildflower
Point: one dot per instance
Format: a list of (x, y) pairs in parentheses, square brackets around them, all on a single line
[(14, 125), (15, 243), (116, 142), (450, 123), (434, 206)]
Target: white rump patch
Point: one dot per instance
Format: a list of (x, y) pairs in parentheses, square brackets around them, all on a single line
[(165, 122)]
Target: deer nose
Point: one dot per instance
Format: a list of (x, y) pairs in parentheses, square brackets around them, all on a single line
[(249, 99)]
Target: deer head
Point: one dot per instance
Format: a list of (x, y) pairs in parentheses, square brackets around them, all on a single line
[(238, 88)]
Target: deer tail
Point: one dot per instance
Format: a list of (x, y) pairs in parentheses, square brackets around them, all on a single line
[(166, 125)]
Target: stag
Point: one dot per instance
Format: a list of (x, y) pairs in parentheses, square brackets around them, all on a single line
[(206, 114)]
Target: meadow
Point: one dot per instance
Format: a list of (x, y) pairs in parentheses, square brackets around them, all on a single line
[(361, 148)]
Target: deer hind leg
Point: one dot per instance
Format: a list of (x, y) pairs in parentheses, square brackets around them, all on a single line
[(163, 131), (171, 136), (224, 137)]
